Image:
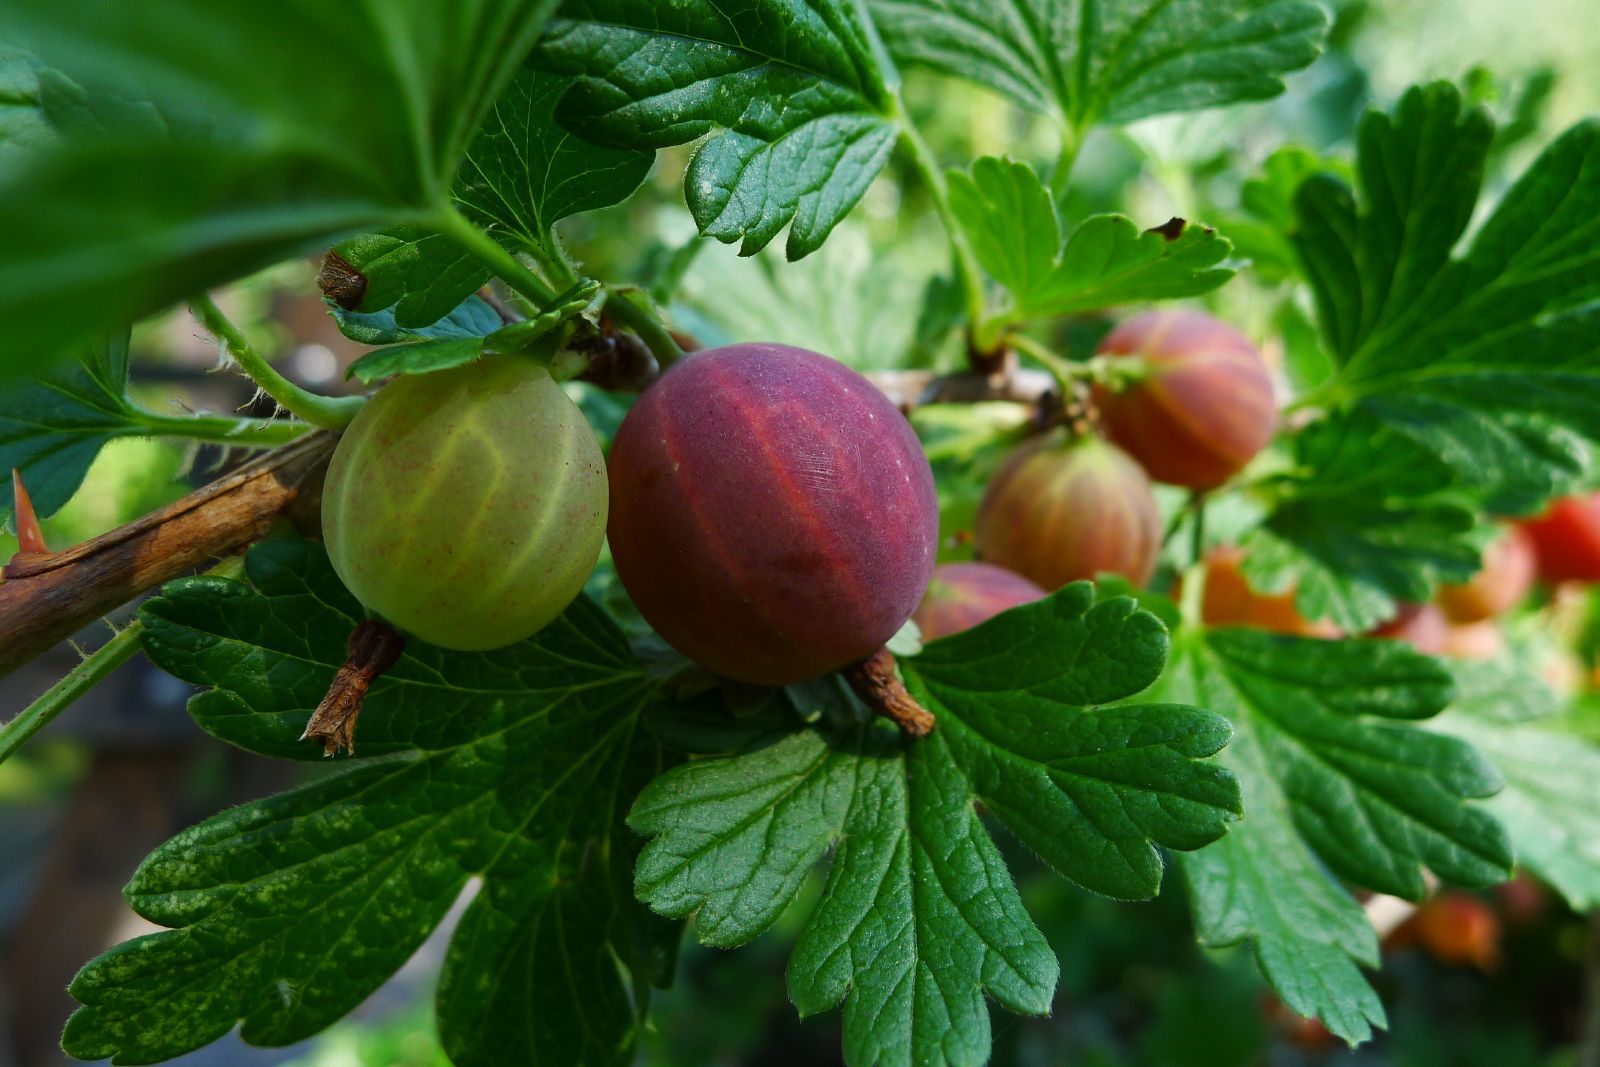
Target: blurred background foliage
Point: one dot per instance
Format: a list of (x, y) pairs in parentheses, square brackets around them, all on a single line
[(127, 768)]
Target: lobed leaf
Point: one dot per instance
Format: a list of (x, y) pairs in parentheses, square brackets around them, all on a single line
[(523, 172), (1488, 358), (245, 163), (1551, 803), (513, 767), (1336, 783), (919, 917), (52, 427), (796, 89), (1010, 218), (1096, 61)]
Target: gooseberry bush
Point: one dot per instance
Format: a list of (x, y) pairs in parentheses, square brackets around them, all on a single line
[(615, 629)]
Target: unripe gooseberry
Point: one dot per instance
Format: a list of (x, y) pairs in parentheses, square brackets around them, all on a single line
[(1566, 539), (1507, 574), (1061, 508), (1204, 406), (962, 595), (773, 516), (1228, 599), (467, 506)]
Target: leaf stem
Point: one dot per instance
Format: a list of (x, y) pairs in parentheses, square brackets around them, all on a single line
[(225, 429), (1113, 372), (456, 226), (966, 263), (1061, 177), (628, 306), (327, 412)]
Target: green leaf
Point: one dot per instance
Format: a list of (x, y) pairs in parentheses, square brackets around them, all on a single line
[(797, 92), (1010, 219), (523, 172), (919, 917), (419, 276), (473, 317), (513, 766), (256, 159), (1373, 523), (1094, 61), (53, 427), (23, 124), (1336, 782), (1489, 359), (1551, 803), (451, 342)]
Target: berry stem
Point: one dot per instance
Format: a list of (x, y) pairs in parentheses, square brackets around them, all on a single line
[(327, 412), (877, 682), (373, 648), (1114, 372), (630, 307)]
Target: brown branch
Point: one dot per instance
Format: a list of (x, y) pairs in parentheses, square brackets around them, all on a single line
[(908, 389), (45, 597)]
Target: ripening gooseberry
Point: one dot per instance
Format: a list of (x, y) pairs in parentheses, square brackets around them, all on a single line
[(467, 506), (1061, 508), (1509, 568), (773, 516), (1229, 600), (1566, 539), (962, 595), (1203, 409)]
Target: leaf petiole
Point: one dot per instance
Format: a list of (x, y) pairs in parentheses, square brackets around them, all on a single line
[(511, 270), (327, 412), (966, 263)]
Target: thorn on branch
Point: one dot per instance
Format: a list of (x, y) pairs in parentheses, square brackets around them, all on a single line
[(30, 536), (374, 646), (876, 680)]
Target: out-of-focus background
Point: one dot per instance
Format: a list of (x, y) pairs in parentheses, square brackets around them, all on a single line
[(1498, 979)]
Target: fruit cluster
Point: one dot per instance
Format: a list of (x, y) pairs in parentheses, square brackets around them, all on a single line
[(773, 517)]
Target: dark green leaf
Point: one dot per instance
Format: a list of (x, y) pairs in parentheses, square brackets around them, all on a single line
[(514, 766), (1010, 219), (1489, 359), (797, 92), (919, 916), (1096, 61), (473, 317), (53, 427), (1331, 783), (417, 275), (523, 172), (451, 341), (283, 126), (1370, 524)]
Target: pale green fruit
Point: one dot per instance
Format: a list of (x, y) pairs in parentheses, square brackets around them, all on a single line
[(467, 506)]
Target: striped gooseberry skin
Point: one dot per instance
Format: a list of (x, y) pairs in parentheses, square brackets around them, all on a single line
[(1204, 410), (1061, 508), (1509, 569), (467, 506), (1566, 539), (962, 595), (773, 516)]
